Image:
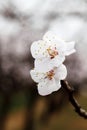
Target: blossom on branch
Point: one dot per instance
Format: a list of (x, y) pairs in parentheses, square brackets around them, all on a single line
[(49, 82), (50, 51), (49, 54)]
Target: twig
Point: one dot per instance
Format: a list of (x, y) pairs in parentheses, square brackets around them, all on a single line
[(72, 99)]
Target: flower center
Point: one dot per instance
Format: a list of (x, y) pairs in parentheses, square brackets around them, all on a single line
[(52, 52), (50, 74)]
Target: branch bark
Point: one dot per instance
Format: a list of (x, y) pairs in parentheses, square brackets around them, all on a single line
[(81, 112)]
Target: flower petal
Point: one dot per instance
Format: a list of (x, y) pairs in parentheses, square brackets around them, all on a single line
[(58, 85), (46, 64), (54, 41), (36, 76), (51, 37), (38, 49), (58, 60), (61, 72), (70, 48), (46, 87)]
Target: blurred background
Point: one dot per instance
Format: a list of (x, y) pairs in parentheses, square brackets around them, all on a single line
[(21, 23)]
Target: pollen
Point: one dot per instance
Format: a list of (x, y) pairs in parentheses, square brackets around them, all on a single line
[(52, 52), (50, 74)]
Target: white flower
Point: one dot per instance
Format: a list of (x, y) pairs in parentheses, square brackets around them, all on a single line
[(49, 81), (62, 46), (50, 51)]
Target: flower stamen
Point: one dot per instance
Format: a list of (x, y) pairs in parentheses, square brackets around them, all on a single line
[(50, 74), (52, 52)]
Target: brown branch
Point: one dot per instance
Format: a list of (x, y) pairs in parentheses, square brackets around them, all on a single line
[(72, 99)]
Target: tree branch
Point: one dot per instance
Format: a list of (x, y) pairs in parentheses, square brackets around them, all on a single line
[(72, 99)]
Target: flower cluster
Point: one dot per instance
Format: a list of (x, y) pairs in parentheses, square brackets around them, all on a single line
[(49, 54)]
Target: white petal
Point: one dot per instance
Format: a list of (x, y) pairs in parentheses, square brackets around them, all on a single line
[(50, 37), (43, 65), (46, 64), (36, 76), (61, 72), (58, 85), (58, 60), (38, 49), (54, 40), (61, 48), (47, 87), (70, 48)]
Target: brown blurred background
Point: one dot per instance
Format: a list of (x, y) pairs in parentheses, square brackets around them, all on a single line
[(21, 23)]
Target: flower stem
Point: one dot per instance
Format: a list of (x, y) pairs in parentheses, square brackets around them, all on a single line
[(81, 112)]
